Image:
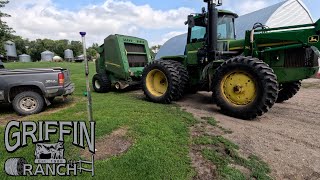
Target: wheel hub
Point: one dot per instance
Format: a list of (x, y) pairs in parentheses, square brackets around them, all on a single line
[(239, 88), (28, 104), (97, 84), (157, 83)]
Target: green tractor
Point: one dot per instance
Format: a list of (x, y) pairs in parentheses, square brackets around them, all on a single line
[(121, 63), (248, 76)]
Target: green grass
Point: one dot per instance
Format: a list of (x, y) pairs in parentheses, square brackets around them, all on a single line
[(222, 152), (213, 122), (160, 132), (210, 121)]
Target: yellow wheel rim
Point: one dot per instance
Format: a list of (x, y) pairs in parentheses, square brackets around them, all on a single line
[(157, 83), (239, 88)]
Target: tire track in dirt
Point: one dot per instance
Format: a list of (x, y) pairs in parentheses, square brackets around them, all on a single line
[(287, 137)]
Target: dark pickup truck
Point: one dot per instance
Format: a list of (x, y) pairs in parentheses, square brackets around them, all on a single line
[(31, 90)]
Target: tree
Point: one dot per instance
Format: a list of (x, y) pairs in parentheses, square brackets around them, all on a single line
[(5, 30)]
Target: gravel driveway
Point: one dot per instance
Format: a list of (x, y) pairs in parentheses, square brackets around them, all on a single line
[(287, 137)]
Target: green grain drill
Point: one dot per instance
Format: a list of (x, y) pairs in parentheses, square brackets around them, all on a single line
[(248, 76), (121, 63)]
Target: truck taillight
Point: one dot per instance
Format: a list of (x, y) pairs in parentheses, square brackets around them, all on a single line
[(61, 79)]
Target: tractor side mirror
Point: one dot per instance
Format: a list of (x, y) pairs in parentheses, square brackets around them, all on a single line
[(190, 22)]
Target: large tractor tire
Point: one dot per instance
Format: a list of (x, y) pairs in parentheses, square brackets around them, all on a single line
[(184, 80), (245, 87), (101, 83), (288, 90), (161, 81)]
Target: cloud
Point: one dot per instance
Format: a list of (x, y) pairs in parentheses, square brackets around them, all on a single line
[(42, 19)]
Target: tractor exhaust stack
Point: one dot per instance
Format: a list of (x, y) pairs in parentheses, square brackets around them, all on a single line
[(212, 30)]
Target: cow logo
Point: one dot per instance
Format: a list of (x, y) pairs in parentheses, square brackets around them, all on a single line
[(49, 153), (313, 39), (49, 158)]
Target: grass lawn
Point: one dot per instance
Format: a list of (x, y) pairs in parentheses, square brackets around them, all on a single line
[(160, 132)]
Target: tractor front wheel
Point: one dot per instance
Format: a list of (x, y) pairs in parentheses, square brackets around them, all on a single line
[(288, 90), (245, 87), (160, 81)]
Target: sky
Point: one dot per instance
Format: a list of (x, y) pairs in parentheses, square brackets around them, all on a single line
[(155, 20)]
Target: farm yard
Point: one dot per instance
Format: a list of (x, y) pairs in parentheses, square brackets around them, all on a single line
[(137, 139)]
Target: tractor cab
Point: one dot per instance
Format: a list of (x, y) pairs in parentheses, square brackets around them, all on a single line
[(226, 28), (207, 33)]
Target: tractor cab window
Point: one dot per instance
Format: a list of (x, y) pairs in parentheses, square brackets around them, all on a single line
[(226, 27), (225, 30), (198, 33)]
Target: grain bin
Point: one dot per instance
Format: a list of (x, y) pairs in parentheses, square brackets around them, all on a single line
[(68, 55), (10, 48), (47, 56), (24, 58)]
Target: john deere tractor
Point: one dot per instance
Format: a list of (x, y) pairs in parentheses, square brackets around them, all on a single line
[(121, 63), (248, 76)]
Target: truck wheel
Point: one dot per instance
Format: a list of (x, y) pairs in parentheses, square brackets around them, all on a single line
[(245, 87), (28, 102), (160, 81), (101, 83), (288, 90)]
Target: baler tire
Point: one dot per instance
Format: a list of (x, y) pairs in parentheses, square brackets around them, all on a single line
[(184, 80), (101, 83), (169, 73), (288, 90), (263, 83)]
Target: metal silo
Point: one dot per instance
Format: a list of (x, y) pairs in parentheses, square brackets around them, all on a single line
[(68, 55), (47, 56), (10, 48), (24, 58)]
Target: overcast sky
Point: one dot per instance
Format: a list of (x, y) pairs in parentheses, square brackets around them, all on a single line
[(154, 20)]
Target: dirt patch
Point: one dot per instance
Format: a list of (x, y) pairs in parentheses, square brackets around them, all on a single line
[(114, 144), (205, 169), (287, 137)]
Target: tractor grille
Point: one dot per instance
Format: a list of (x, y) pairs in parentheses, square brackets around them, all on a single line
[(137, 60), (300, 57), (138, 48)]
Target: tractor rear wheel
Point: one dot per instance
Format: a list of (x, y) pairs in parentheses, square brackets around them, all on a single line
[(101, 83), (160, 81), (184, 80), (245, 87), (288, 90)]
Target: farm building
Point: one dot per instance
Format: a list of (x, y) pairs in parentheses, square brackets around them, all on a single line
[(285, 13)]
